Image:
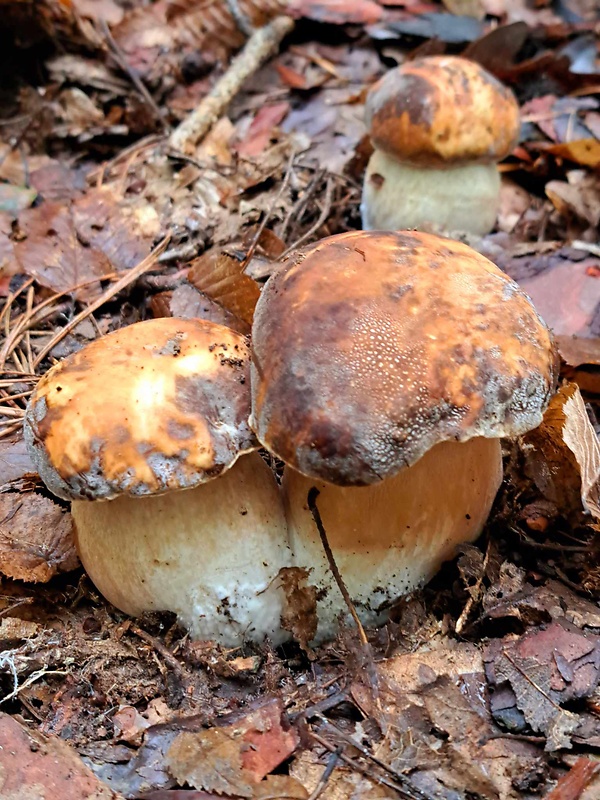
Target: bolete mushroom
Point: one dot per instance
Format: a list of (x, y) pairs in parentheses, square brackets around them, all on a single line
[(385, 369), (121, 428), (439, 125)]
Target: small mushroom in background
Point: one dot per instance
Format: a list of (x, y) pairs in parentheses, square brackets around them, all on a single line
[(385, 369), (439, 126), (120, 428)]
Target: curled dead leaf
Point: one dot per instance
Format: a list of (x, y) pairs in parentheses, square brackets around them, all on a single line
[(222, 278), (563, 454)]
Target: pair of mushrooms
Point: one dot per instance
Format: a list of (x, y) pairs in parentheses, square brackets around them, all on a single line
[(385, 367), (439, 125)]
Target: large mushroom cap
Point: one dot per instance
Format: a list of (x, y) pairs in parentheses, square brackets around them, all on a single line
[(442, 109), (369, 348), (158, 405)]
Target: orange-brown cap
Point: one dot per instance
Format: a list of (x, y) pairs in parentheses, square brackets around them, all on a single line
[(158, 405), (369, 348), (442, 109)]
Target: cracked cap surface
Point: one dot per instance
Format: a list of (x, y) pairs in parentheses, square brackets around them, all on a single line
[(440, 110), (155, 406), (369, 348)]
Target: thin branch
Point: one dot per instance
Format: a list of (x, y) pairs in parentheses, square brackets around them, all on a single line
[(312, 504), (130, 277), (119, 57), (259, 47)]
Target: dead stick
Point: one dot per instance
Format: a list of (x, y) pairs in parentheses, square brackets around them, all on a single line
[(312, 504), (257, 50)]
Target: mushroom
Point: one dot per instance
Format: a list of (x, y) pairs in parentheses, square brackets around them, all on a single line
[(121, 428), (438, 125), (385, 369)]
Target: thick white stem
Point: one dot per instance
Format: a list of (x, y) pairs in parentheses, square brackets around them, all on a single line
[(209, 554), (399, 196), (392, 537)]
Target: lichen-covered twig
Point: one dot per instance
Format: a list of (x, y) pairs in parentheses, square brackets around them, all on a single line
[(262, 44)]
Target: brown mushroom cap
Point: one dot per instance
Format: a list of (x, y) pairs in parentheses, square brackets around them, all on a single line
[(442, 109), (369, 348), (158, 405)]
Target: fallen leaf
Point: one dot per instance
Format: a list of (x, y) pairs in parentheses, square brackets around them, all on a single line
[(15, 462), (576, 350), (579, 195), (571, 785), (221, 277), (545, 669), (124, 230), (580, 437), (52, 253), (261, 129), (538, 604), (188, 303), (337, 12), (299, 614), (36, 538), (233, 758), (44, 768), (563, 454), (582, 151)]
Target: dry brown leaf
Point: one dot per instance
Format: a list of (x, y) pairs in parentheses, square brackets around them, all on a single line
[(579, 195), (563, 454), (36, 767), (233, 758), (580, 437), (52, 253), (576, 350), (221, 277), (299, 615), (545, 668), (15, 462), (280, 787), (36, 538), (209, 760), (343, 783), (582, 151), (188, 303), (123, 229)]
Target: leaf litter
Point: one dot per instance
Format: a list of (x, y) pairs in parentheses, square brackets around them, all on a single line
[(485, 683)]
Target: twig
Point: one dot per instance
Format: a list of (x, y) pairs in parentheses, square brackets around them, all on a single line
[(130, 277), (324, 779), (368, 773), (474, 593), (119, 57), (166, 654), (397, 776), (312, 504), (257, 50), (240, 18), (313, 228), (297, 209), (267, 216)]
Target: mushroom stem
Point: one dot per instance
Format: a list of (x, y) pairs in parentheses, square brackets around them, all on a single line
[(210, 554), (391, 537), (398, 195)]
